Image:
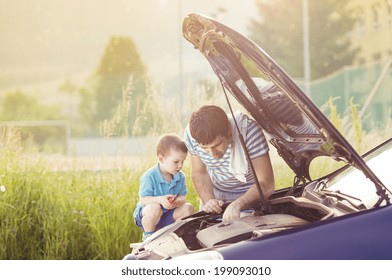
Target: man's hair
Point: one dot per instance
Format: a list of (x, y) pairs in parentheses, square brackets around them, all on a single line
[(207, 123), (170, 141)]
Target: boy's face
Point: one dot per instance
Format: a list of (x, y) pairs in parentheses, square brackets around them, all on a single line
[(173, 161)]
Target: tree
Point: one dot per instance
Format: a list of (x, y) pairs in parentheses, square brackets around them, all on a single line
[(279, 32), (19, 106), (149, 118), (87, 124), (120, 62)]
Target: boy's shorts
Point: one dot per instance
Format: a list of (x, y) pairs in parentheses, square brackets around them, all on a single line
[(166, 218)]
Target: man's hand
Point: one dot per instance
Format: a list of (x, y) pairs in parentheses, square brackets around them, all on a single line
[(213, 205), (232, 212)]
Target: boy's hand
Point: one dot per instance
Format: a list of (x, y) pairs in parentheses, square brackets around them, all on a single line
[(166, 203), (173, 198)]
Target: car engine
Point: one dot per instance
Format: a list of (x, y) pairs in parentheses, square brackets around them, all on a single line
[(203, 231)]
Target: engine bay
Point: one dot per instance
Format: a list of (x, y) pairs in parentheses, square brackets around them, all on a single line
[(287, 212), (203, 231)]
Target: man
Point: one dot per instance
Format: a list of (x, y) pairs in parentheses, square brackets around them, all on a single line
[(219, 169)]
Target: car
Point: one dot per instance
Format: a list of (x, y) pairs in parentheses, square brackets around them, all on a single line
[(346, 214)]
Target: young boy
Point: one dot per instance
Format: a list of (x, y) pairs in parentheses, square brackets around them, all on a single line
[(162, 188)]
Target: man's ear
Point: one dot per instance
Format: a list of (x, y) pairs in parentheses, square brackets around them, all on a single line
[(229, 134)]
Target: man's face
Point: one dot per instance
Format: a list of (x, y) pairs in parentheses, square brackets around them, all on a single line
[(218, 147)]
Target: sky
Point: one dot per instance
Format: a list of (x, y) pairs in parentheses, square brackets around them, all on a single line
[(45, 42)]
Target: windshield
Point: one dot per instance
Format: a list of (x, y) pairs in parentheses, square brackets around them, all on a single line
[(353, 182)]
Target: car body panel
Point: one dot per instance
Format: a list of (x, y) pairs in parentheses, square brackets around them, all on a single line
[(359, 236)]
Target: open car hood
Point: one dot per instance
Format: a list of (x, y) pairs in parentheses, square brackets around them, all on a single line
[(295, 126)]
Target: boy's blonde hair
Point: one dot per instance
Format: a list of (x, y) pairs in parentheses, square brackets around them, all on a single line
[(170, 141)]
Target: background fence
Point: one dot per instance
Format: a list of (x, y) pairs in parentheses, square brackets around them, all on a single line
[(371, 83)]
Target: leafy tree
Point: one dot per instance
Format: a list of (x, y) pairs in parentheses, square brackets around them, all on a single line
[(19, 106), (279, 31), (149, 118), (87, 124), (120, 62)]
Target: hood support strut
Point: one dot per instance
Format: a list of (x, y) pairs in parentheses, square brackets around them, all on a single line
[(264, 202)]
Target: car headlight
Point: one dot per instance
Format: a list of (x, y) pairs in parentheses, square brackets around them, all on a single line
[(206, 255)]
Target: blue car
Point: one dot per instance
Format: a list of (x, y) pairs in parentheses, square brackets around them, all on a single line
[(344, 215)]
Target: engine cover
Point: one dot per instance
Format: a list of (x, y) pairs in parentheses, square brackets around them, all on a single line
[(244, 228)]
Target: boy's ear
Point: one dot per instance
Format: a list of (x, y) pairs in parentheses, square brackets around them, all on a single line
[(160, 157)]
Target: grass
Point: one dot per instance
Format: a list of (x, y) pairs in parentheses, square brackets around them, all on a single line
[(73, 215)]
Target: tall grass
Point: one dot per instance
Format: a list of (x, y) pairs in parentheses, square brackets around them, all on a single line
[(64, 215)]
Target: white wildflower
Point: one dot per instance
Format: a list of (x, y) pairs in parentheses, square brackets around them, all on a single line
[(2, 188)]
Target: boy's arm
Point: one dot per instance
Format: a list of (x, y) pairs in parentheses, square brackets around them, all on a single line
[(146, 192), (162, 200), (150, 199), (180, 200)]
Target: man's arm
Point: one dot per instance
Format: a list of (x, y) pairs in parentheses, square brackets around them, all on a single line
[(265, 175), (203, 185)]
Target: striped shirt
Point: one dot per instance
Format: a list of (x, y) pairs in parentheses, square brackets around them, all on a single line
[(218, 169)]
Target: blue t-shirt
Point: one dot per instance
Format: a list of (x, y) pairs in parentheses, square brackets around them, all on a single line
[(153, 184)]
